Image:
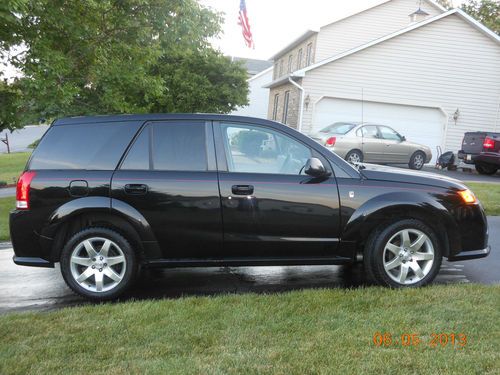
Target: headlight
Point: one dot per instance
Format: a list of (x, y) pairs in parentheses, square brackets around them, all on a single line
[(467, 196)]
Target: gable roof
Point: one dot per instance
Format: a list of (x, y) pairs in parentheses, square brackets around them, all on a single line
[(253, 66), (479, 26), (310, 33)]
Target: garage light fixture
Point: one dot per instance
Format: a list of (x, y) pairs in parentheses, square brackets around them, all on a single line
[(307, 100), (456, 115)]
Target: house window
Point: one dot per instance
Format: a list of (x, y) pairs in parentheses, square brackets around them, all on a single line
[(275, 106), (281, 68), (290, 59), (285, 107), (299, 59), (309, 54)]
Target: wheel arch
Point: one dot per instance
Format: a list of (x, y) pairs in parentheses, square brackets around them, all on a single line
[(103, 212), (391, 207)]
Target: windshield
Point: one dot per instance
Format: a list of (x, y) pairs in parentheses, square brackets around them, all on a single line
[(338, 128)]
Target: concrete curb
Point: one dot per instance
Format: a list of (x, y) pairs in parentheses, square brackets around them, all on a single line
[(5, 245)]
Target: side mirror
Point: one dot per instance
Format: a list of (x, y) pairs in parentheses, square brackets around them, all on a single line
[(403, 138), (315, 168)]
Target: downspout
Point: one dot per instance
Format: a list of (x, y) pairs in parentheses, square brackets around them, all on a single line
[(299, 127)]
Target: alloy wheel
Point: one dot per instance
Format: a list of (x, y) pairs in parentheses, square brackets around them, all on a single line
[(418, 161), (408, 256), (98, 264), (354, 158)]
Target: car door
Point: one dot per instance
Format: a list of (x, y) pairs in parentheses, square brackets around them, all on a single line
[(169, 175), (269, 207), (371, 144), (395, 151)]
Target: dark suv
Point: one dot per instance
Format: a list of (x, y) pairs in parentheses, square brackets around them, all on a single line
[(106, 195)]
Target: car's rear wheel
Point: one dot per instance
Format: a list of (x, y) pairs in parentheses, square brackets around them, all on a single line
[(98, 264), (417, 160), (354, 156), (404, 254), (486, 169)]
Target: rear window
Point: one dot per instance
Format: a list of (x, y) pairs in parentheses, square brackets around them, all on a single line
[(96, 146)]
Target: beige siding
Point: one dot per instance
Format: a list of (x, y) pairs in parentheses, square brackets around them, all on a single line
[(447, 64), (367, 26)]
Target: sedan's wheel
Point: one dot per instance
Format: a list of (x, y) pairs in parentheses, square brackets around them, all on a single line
[(354, 157), (406, 253), (486, 169), (98, 263), (417, 160)]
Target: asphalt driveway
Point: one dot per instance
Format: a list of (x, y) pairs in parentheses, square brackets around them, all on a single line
[(26, 288)]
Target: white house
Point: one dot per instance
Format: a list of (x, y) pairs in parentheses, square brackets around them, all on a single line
[(429, 73), (258, 97)]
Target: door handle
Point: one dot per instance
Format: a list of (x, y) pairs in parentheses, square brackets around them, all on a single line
[(242, 189), (136, 189)]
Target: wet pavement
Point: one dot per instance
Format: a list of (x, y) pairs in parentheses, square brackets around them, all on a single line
[(28, 288)]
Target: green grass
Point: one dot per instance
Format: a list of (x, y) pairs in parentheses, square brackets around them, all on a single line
[(6, 204), (301, 332), (489, 195), (11, 166)]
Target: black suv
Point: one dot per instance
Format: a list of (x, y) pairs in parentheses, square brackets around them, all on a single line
[(106, 195)]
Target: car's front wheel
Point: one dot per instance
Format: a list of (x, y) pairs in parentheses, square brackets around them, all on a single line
[(486, 169), (404, 254), (98, 263), (417, 160)]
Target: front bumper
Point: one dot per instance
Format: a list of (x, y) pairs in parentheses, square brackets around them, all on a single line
[(466, 255)]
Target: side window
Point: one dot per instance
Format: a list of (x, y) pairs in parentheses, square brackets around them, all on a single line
[(91, 146), (138, 156), (369, 131), (179, 146), (254, 149), (175, 146), (388, 133)]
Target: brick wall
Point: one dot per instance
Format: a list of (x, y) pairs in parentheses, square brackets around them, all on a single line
[(283, 59), (293, 104)]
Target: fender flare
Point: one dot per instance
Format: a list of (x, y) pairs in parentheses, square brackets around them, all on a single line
[(111, 206), (368, 216)]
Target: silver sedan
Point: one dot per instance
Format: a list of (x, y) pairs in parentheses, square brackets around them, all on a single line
[(357, 142)]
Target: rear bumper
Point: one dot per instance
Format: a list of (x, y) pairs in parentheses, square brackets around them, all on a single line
[(483, 157), (32, 262), (466, 255)]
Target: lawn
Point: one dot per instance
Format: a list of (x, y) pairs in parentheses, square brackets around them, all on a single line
[(11, 166), (301, 332), (6, 204), (489, 195)]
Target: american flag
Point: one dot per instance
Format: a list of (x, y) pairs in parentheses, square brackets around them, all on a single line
[(245, 26)]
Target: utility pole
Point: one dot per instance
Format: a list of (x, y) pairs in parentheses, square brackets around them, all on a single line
[(6, 141)]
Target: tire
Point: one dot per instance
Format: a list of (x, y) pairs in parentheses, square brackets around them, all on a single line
[(417, 160), (354, 156), (388, 263), (101, 280), (486, 169)]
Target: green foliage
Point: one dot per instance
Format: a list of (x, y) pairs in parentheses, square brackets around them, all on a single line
[(34, 144), (10, 96), (448, 4), (105, 56), (485, 11)]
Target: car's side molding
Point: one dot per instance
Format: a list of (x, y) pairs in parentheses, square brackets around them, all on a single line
[(396, 204)]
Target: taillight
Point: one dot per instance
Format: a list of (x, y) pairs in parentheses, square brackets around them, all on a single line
[(331, 141), (489, 143), (23, 190)]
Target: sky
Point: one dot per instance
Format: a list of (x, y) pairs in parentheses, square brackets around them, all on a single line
[(275, 23)]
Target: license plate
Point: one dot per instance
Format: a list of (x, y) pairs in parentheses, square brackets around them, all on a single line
[(468, 157)]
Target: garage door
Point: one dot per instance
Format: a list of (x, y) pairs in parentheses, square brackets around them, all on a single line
[(422, 125)]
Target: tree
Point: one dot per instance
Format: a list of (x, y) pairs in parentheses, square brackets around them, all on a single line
[(119, 56), (486, 11), (9, 106), (447, 4)]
